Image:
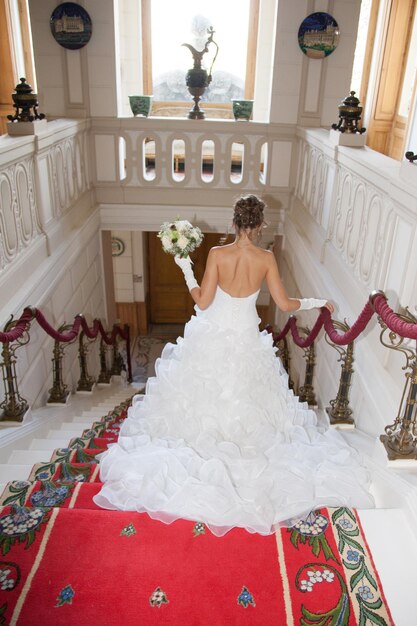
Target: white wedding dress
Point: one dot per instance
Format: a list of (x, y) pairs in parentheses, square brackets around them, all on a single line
[(219, 438)]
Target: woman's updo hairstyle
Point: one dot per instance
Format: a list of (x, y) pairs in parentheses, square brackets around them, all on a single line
[(249, 213)]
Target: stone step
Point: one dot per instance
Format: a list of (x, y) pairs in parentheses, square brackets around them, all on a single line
[(25, 457), (48, 445), (75, 426), (91, 415), (14, 472), (83, 418), (62, 434)]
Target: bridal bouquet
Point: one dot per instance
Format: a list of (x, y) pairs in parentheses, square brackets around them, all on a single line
[(180, 237)]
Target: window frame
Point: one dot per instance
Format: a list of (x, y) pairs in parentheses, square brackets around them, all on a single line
[(252, 43)]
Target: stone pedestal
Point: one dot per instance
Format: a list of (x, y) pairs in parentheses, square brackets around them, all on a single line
[(351, 140), (19, 129)]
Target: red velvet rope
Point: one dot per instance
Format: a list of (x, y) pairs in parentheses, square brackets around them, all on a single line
[(391, 319), (30, 313), (377, 303)]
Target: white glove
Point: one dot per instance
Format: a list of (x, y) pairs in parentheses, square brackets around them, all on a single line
[(311, 303), (187, 270)]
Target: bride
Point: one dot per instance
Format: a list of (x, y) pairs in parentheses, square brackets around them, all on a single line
[(218, 437)]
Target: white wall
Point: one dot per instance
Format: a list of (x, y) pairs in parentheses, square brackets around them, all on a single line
[(76, 83), (307, 91), (50, 247), (352, 229)]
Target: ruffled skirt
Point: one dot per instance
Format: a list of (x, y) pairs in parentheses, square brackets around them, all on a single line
[(219, 438)]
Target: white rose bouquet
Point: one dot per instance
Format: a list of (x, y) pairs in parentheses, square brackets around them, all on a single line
[(179, 238)]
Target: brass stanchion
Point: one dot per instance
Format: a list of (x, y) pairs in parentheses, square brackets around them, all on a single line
[(86, 382), (306, 391), (118, 363), (104, 377), (400, 439), (339, 411), (13, 407), (58, 394)]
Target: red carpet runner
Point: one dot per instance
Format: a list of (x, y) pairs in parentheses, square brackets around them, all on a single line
[(66, 562)]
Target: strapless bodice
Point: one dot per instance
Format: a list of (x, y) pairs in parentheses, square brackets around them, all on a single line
[(232, 312)]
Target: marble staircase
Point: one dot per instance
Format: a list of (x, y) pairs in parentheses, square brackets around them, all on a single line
[(389, 528)]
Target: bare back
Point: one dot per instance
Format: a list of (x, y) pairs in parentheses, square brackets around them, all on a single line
[(241, 270)]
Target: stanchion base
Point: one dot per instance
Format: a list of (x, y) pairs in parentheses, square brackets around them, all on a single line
[(86, 393), (394, 455), (100, 384), (347, 423), (5, 421), (63, 403)]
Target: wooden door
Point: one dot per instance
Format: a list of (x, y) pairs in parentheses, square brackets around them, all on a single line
[(170, 301), (386, 131)]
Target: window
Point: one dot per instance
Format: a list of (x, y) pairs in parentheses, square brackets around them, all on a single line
[(166, 60), (384, 72), (16, 59)]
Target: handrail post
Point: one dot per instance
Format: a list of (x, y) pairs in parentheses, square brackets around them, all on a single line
[(13, 406), (86, 382), (58, 394), (306, 392), (400, 439), (339, 411), (104, 377), (117, 364)]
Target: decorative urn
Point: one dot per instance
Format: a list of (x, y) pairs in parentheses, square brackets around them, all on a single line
[(25, 100), (349, 115), (197, 78)]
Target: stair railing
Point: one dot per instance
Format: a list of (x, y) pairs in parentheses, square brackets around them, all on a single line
[(85, 382), (400, 438), (104, 377), (58, 394), (340, 411), (306, 391), (14, 407)]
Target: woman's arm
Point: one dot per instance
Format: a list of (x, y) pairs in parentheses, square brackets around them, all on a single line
[(277, 289), (203, 295)]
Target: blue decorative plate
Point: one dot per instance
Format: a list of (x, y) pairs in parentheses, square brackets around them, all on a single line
[(318, 35), (71, 25)]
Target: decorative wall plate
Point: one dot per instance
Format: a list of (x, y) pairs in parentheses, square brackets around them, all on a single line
[(71, 25), (117, 246), (318, 35)]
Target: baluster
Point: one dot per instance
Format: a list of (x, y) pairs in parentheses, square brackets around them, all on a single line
[(306, 391), (59, 394), (400, 439), (118, 363), (339, 411), (86, 382), (104, 377), (13, 406)]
